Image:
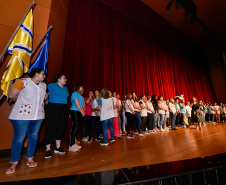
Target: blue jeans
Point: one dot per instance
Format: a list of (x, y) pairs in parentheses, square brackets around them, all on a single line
[(108, 124), (124, 122), (173, 119), (21, 129), (137, 119), (155, 121), (162, 119), (183, 118), (93, 121)]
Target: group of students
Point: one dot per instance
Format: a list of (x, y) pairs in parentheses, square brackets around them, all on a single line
[(103, 110)]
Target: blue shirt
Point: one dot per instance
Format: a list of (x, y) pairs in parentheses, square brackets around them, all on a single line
[(79, 97), (206, 110), (57, 94), (99, 102), (182, 110)]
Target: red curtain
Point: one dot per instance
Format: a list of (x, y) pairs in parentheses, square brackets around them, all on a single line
[(106, 49)]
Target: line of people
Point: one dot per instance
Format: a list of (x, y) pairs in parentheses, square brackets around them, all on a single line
[(103, 110)]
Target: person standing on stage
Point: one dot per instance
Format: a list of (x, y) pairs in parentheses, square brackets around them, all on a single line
[(217, 112), (162, 112), (124, 120), (173, 112), (106, 116), (183, 113), (155, 106), (56, 114), (95, 117), (87, 117), (168, 120), (224, 113), (150, 111), (119, 111), (77, 112), (211, 113), (129, 114), (115, 119), (197, 113), (143, 113), (27, 115), (178, 113), (188, 112)]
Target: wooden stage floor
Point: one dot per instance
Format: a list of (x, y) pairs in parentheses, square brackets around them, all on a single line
[(185, 143)]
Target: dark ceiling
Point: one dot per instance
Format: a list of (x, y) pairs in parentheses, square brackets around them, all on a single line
[(211, 13)]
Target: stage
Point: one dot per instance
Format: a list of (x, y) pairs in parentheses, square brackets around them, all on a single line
[(163, 147)]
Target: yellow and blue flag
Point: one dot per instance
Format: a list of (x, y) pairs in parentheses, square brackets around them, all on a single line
[(21, 49)]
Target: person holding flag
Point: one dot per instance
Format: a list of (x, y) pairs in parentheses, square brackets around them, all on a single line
[(27, 115)]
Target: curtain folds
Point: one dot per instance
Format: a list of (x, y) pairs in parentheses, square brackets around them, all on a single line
[(105, 49)]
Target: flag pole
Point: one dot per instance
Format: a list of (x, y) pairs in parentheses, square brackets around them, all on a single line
[(41, 40), (15, 32), (33, 51)]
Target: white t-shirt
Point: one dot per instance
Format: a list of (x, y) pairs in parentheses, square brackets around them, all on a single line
[(95, 104), (106, 110), (120, 105), (137, 105), (188, 110), (30, 102), (115, 110), (211, 108), (172, 108), (216, 108), (149, 104), (143, 112), (128, 102), (161, 111)]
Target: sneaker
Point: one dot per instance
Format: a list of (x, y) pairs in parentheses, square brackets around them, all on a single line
[(77, 146), (147, 132), (85, 139), (97, 139), (141, 135), (72, 148), (101, 136), (184, 126), (162, 130), (112, 140), (118, 138), (104, 143), (48, 154), (89, 141), (59, 151), (130, 136)]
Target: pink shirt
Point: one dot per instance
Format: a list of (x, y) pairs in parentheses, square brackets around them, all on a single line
[(88, 107)]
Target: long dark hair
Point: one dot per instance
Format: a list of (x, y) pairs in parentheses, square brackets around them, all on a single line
[(140, 98), (154, 98), (57, 77), (159, 97), (154, 101), (34, 71)]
